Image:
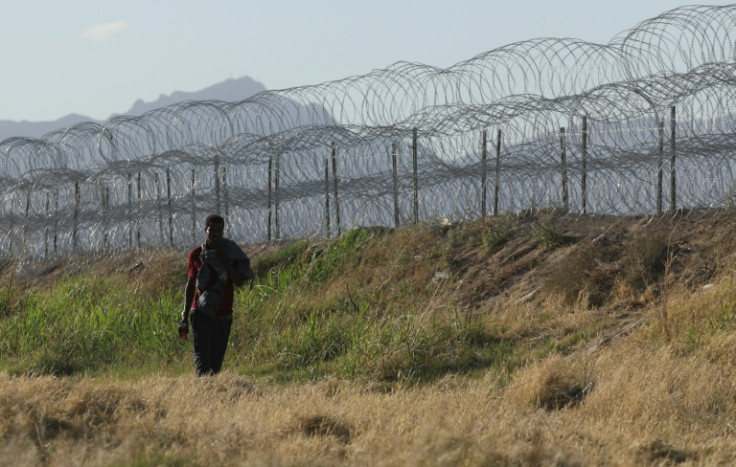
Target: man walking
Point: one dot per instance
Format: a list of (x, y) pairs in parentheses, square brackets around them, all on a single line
[(214, 269)]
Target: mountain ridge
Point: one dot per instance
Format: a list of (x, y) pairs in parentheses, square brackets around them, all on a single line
[(231, 89)]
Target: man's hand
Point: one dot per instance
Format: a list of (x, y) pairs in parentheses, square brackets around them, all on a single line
[(183, 330), (184, 325)]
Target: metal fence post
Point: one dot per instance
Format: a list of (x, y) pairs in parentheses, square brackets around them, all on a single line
[(168, 203), (77, 199), (498, 173), (194, 207), (563, 160), (416, 175), (334, 178), (483, 175), (270, 194), (584, 168), (395, 185), (673, 190), (327, 196), (277, 189), (140, 212), (660, 163)]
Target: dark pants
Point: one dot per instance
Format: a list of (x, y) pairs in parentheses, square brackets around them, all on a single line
[(210, 339)]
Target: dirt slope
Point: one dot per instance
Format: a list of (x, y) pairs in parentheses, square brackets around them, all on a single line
[(617, 264)]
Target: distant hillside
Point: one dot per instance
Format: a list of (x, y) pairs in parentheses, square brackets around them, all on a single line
[(228, 90), (10, 128)]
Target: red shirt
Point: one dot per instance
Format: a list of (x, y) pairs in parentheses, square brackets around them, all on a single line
[(194, 264)]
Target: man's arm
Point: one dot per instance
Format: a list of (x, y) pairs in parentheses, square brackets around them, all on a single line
[(189, 295)]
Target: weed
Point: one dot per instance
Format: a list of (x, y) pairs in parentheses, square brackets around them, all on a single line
[(548, 237), (552, 385), (148, 458), (285, 256), (586, 275), (322, 425), (726, 319), (87, 324), (645, 259), (324, 262), (693, 339), (498, 234)]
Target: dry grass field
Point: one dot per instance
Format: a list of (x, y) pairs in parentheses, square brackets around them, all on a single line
[(627, 328)]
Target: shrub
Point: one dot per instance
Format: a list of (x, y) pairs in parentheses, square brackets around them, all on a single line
[(552, 385), (324, 262), (548, 237), (497, 235), (588, 272), (284, 256), (645, 259)]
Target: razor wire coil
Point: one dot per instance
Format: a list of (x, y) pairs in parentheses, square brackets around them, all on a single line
[(289, 163)]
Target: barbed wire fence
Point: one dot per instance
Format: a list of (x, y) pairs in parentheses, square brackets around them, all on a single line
[(643, 124)]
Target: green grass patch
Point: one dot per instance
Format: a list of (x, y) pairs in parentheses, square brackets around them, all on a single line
[(548, 237), (292, 324), (87, 324), (497, 235)]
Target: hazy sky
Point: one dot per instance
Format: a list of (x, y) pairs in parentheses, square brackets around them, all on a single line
[(96, 57)]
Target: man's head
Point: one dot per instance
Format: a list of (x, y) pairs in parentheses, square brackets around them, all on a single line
[(214, 228)]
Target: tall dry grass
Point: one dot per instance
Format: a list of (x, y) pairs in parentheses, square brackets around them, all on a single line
[(645, 408), (548, 379), (649, 401)]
